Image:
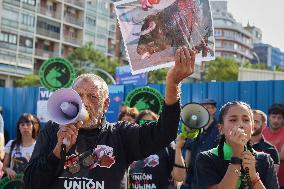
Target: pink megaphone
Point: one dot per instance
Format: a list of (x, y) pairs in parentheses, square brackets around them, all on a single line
[(65, 107)]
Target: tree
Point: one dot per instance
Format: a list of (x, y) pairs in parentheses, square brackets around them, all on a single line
[(28, 80), (157, 76), (255, 66), (87, 58), (222, 69)]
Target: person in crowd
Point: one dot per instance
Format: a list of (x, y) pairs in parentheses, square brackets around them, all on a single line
[(206, 140), (98, 153), (37, 124), (234, 163), (2, 138), (19, 151), (257, 140), (128, 114), (159, 170), (275, 135)]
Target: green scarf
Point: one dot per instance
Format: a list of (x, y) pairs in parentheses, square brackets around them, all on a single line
[(227, 149)]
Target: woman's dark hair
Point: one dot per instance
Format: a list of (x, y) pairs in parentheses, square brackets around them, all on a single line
[(143, 113), (223, 111), (132, 112), (26, 117), (225, 108)]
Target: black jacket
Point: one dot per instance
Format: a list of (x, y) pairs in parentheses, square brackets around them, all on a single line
[(104, 153)]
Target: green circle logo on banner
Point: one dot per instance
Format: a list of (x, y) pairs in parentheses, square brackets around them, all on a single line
[(144, 98), (56, 73), (17, 183)]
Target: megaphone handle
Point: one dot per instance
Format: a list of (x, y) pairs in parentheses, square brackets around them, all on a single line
[(63, 152)]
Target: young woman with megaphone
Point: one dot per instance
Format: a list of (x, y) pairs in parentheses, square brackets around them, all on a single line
[(234, 164)]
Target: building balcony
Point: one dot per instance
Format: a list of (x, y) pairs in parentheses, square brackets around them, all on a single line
[(47, 33), (9, 23), (29, 6), (235, 39), (9, 59), (26, 50), (49, 13), (8, 46), (73, 40), (45, 53), (12, 2), (27, 28), (74, 21), (76, 2)]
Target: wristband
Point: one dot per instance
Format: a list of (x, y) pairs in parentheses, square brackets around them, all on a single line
[(180, 166), (236, 160)]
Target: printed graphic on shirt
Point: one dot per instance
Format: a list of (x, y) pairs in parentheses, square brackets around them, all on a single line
[(82, 183), (151, 161), (138, 178), (20, 161), (142, 180), (101, 156)]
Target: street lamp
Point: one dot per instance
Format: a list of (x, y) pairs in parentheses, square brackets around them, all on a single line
[(256, 56)]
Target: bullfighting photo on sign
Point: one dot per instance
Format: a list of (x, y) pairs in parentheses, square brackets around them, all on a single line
[(152, 30)]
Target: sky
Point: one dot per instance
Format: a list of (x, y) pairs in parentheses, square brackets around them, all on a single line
[(268, 15)]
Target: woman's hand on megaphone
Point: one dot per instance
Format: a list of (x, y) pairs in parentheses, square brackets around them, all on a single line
[(67, 134), (180, 140)]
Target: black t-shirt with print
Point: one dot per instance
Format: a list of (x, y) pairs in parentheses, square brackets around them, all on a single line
[(153, 171), (266, 147), (210, 170), (100, 157)]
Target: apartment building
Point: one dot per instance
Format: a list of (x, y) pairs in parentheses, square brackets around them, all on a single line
[(231, 38), (31, 31)]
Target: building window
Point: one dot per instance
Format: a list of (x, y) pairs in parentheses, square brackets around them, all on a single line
[(2, 82), (28, 20), (8, 38), (26, 42), (91, 21), (218, 44), (30, 2), (9, 14), (218, 33)]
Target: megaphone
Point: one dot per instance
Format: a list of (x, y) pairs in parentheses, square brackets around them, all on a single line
[(65, 106), (194, 117)]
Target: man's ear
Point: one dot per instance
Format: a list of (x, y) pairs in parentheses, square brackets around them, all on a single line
[(106, 105)]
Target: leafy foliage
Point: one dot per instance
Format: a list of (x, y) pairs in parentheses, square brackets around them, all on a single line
[(87, 59), (28, 80), (222, 69)]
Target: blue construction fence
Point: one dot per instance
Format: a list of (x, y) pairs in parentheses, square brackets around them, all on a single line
[(259, 94)]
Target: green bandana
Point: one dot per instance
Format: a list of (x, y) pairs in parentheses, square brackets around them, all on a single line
[(227, 149)]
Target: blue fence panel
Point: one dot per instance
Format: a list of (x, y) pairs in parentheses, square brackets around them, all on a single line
[(186, 94), (15, 102), (264, 97), (247, 92), (278, 92), (199, 91), (231, 91)]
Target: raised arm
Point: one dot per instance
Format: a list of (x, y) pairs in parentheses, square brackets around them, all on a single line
[(184, 67), (151, 138)]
